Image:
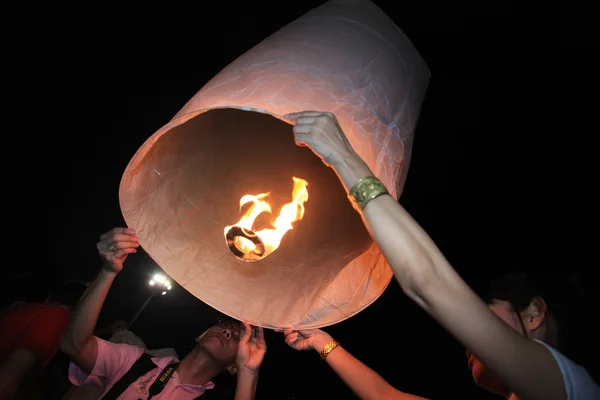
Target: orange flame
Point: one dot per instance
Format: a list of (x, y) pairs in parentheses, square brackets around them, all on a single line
[(271, 238)]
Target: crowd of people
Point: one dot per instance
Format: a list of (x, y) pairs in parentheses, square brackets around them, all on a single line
[(514, 340)]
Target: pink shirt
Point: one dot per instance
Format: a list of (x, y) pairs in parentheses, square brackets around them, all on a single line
[(114, 360)]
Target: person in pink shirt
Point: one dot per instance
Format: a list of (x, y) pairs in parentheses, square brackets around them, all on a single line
[(227, 346)]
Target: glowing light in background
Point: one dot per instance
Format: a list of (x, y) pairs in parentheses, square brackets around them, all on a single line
[(161, 282)]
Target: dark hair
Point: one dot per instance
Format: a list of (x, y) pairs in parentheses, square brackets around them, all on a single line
[(565, 296), (68, 293)]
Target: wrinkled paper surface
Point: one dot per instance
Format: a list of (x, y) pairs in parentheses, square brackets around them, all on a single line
[(346, 57)]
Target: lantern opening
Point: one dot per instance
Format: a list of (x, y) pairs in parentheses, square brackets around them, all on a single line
[(184, 192)]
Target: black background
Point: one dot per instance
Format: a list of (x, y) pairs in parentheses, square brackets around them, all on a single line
[(508, 114)]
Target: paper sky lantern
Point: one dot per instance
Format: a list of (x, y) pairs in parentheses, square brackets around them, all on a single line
[(229, 146)]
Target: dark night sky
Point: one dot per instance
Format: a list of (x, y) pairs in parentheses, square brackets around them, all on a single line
[(84, 86)]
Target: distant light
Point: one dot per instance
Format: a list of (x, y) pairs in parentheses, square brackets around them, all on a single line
[(162, 282)]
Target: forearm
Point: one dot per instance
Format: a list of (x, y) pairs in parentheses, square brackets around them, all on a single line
[(246, 385), (361, 379), (85, 315), (418, 265), (413, 256), (428, 279), (364, 382)]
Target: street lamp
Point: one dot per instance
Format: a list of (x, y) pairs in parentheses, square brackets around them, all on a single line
[(158, 283)]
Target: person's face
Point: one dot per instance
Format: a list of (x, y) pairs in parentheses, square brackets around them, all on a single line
[(483, 376), (221, 343)]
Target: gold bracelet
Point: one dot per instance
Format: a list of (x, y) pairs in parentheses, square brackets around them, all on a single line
[(365, 190), (329, 348)]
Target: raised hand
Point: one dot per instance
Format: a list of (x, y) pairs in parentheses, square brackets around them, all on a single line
[(311, 339), (251, 349), (114, 247), (321, 132)]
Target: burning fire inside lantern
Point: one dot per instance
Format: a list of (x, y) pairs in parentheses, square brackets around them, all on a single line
[(250, 245)]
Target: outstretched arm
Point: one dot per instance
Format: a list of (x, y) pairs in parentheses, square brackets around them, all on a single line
[(364, 382), (77, 343), (425, 275)]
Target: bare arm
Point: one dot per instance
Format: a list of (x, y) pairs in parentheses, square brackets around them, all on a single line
[(16, 367), (426, 276), (364, 382), (246, 386), (77, 343)]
